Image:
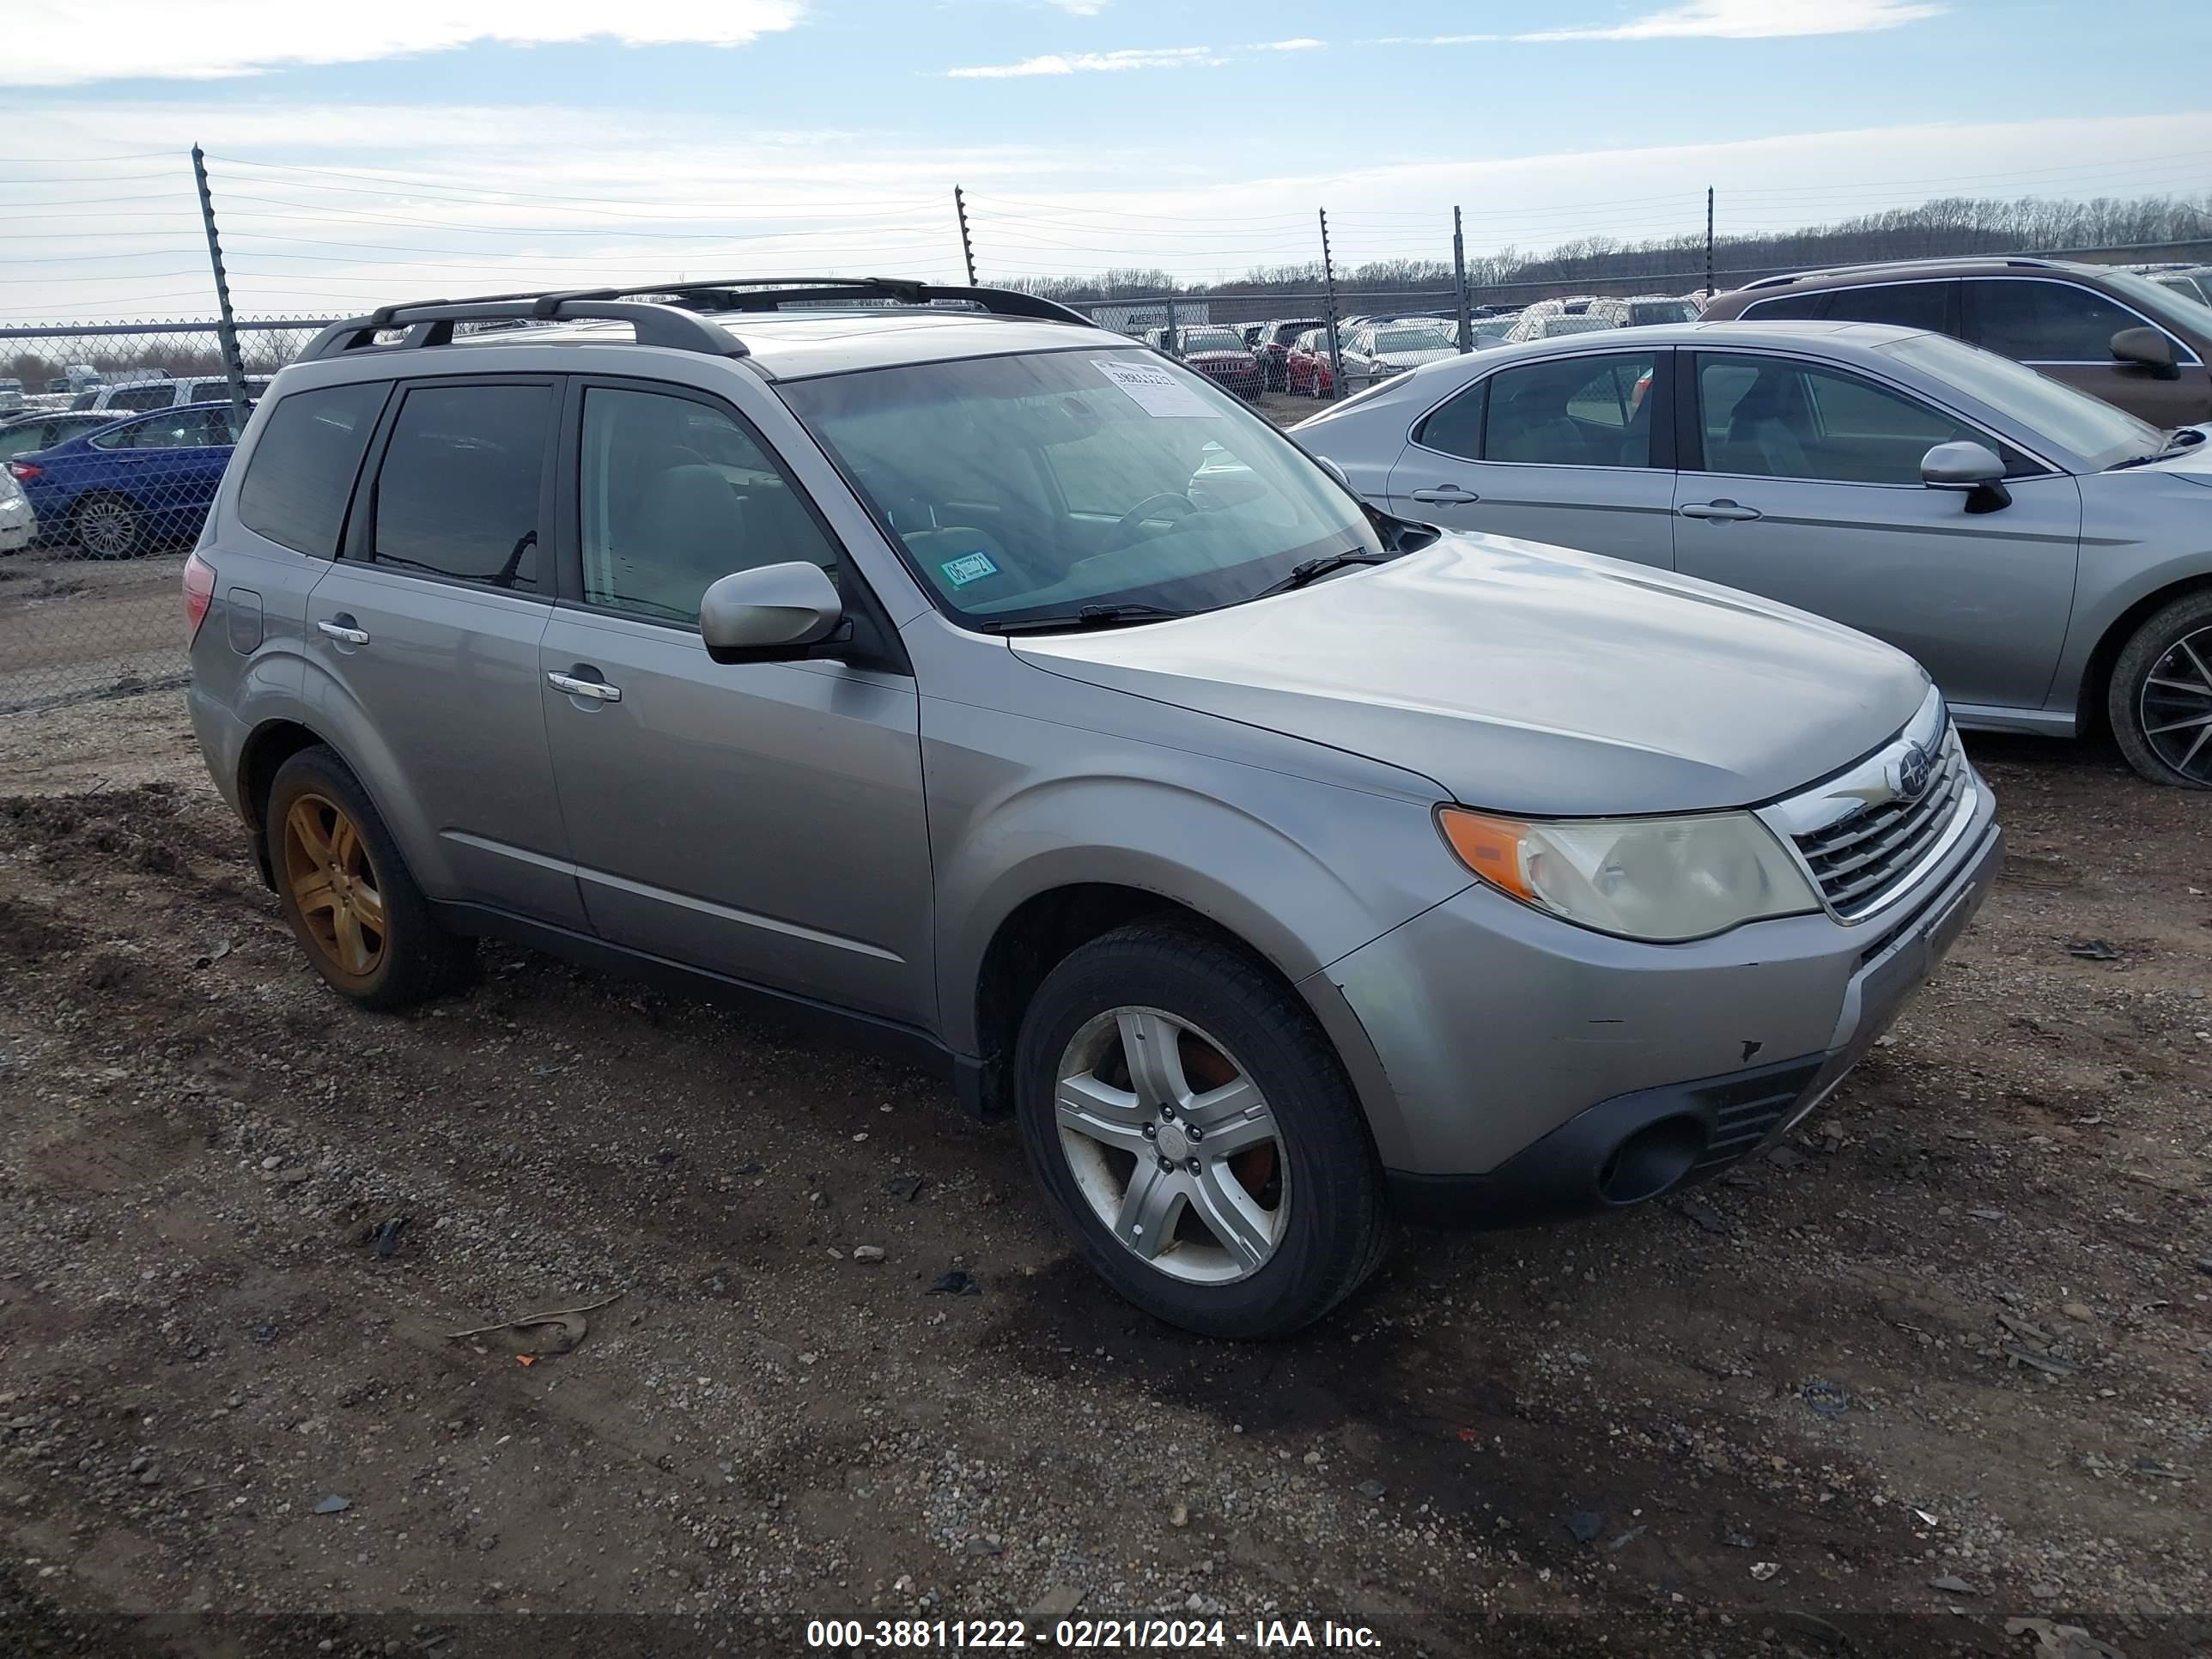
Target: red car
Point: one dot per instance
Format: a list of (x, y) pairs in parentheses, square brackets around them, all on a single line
[(1307, 371), (1220, 353)]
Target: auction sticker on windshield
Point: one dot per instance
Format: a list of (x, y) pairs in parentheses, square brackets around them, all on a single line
[(969, 568), (1152, 387)]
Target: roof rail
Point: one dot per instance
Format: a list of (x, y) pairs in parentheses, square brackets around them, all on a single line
[(2025, 261), (669, 316)]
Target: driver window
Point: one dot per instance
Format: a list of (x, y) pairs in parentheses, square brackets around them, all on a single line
[(676, 495)]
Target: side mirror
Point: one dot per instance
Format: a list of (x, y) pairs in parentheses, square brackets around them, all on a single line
[(1335, 472), (1971, 468), (2146, 348), (776, 613)]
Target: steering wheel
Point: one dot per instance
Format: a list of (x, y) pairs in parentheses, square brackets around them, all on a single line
[(1125, 527)]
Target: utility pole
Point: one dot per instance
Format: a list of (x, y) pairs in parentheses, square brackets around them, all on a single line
[(1709, 241), (233, 366), (967, 247), (1329, 289), (1459, 285)]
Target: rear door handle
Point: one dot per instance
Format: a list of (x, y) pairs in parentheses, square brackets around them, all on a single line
[(342, 630), (598, 690), (1447, 496), (1723, 509)]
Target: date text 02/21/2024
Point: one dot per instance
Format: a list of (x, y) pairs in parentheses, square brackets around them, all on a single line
[(857, 1635)]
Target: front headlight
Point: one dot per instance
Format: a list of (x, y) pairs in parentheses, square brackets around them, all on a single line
[(1660, 879)]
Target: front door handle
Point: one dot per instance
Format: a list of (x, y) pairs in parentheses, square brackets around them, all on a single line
[(1447, 496), (598, 690), (1723, 509), (341, 628)]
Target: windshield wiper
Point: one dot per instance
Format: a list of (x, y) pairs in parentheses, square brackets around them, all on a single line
[(1091, 616), (2184, 438), (1307, 570)]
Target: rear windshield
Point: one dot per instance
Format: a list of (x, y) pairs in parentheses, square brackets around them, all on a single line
[(1211, 339), (1031, 486), (1432, 337)]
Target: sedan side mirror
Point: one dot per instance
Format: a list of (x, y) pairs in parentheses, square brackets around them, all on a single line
[(2147, 348), (776, 613), (1971, 468)]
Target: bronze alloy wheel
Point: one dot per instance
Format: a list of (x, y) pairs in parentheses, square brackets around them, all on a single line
[(335, 888)]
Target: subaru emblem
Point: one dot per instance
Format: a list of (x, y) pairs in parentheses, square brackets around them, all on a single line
[(1913, 769)]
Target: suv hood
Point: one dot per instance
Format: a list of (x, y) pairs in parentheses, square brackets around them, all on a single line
[(1528, 679)]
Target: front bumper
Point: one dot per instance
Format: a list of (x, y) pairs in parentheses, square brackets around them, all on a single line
[(1493, 1029)]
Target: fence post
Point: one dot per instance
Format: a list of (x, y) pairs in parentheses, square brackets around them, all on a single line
[(967, 247), (1174, 334), (1459, 285), (234, 364), (1328, 313), (1709, 241)]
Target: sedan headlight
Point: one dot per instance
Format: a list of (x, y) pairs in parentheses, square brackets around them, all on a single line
[(1660, 879)]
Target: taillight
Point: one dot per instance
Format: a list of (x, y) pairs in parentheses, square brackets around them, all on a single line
[(199, 594), (24, 471)]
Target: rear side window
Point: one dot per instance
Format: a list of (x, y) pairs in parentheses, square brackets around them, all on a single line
[(302, 471), (1579, 411), (457, 493), (1790, 308), (160, 396), (1906, 305), (1455, 428)]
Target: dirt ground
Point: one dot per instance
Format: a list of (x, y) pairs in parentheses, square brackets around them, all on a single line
[(1940, 1364)]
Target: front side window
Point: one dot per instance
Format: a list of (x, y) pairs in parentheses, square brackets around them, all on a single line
[(1028, 487), (1905, 305), (302, 471), (177, 432), (1775, 418), (676, 495), (2038, 322), (457, 495), (1579, 411)]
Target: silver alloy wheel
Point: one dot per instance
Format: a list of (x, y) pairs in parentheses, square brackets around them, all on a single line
[(1173, 1144), (108, 527), (2175, 707)]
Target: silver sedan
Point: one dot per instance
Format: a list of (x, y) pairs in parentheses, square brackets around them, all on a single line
[(2045, 556)]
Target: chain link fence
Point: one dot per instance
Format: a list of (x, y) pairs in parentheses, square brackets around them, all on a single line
[(113, 439)]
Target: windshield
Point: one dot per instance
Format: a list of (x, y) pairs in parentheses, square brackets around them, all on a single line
[(1661, 311), (1434, 338), (1032, 486), (2164, 303), (1211, 339), (2089, 426)]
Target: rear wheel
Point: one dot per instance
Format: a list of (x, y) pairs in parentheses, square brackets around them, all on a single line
[(2160, 702), (1193, 1130), (365, 925), (109, 527)]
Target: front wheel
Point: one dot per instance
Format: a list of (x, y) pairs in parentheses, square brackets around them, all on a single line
[(1192, 1129), (2160, 699)]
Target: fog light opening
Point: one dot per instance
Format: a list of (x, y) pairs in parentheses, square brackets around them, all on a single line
[(1652, 1160)]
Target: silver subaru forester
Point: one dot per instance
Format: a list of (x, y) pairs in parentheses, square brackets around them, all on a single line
[(932, 659)]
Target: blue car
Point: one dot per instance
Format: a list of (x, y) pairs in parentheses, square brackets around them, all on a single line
[(122, 488)]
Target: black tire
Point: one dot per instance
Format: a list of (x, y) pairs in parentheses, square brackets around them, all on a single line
[(416, 959), (107, 526), (1335, 1227), (2178, 636)]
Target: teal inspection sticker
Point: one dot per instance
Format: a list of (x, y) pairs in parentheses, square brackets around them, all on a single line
[(969, 568)]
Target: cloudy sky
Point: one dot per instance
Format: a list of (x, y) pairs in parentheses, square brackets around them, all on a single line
[(360, 153)]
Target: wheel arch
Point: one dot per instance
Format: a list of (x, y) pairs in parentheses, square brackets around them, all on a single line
[(2089, 714), (266, 749)]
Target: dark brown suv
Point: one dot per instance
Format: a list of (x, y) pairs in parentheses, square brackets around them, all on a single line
[(2113, 333)]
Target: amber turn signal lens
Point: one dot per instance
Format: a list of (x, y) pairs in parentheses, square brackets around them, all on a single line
[(1489, 847)]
